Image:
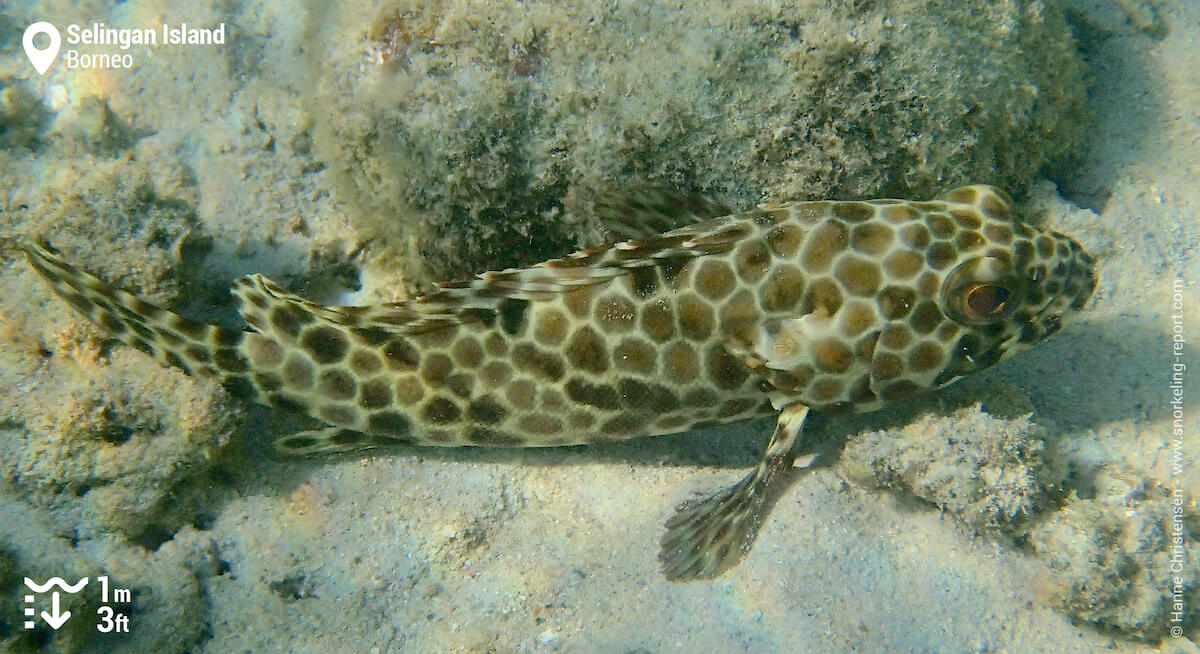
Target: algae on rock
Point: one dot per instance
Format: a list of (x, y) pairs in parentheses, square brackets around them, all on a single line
[(1112, 558), (988, 472), (100, 431), (477, 135)]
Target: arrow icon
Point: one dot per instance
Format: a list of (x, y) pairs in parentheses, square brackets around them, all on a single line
[(54, 618)]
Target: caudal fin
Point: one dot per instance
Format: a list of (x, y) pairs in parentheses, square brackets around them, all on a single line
[(196, 348)]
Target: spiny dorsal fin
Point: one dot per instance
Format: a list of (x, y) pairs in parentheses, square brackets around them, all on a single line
[(649, 211)]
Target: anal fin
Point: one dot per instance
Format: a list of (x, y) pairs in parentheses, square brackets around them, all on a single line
[(331, 440), (706, 537)]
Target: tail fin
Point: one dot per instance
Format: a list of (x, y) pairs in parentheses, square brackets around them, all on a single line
[(196, 348)]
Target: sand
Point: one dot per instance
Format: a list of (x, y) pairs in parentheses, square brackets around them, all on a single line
[(189, 169)]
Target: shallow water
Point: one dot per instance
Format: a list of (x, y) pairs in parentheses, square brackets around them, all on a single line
[(352, 152)]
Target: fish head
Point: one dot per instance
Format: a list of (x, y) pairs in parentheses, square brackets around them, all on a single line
[(1002, 286)]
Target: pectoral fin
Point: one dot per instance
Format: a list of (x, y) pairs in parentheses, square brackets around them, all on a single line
[(706, 537)]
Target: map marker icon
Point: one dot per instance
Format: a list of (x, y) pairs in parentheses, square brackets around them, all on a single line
[(41, 58)]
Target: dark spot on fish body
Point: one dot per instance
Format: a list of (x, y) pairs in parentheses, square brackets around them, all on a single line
[(141, 345), (967, 241), (289, 319), (903, 264), (785, 240), (364, 363), (644, 280), (112, 324), (822, 245), (512, 315), (147, 310), (461, 384), (853, 212), (635, 355), (700, 397), (544, 365), (198, 353), (491, 437), (658, 320), (336, 414), (671, 268), (286, 403), (896, 302), (190, 329), (925, 357), (859, 276), (141, 330), (239, 386), (726, 371), (222, 337), (521, 394), (165, 335), (696, 320), (915, 235), (337, 384), (325, 344), (390, 424), (736, 406), (623, 425), (941, 255), (541, 424), (486, 317), (346, 437), (268, 381), (940, 224), (436, 369), (551, 327), (174, 360), (298, 371), (467, 351), (926, 317), (230, 360), (599, 396), (401, 355), (372, 336), (297, 442), (257, 299), (714, 279), (440, 410), (375, 394), (832, 355), (586, 351), (486, 410)]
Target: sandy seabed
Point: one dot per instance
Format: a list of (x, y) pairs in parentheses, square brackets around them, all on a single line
[(230, 549)]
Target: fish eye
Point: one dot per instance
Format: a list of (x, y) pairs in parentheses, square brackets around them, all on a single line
[(981, 291), (983, 301)]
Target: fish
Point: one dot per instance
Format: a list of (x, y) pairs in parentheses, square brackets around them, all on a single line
[(691, 315)]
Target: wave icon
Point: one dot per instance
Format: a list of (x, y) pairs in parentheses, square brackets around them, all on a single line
[(55, 581)]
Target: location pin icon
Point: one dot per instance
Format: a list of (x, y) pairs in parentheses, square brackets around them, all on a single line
[(41, 58)]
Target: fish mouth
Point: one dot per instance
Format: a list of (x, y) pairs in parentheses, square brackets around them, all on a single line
[(1077, 287)]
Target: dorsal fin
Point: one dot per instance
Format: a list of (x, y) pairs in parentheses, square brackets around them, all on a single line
[(274, 312), (477, 300), (648, 211)]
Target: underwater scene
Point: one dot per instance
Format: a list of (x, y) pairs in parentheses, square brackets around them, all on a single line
[(474, 326)]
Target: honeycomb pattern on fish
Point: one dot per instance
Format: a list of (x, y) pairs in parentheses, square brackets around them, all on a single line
[(826, 306)]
